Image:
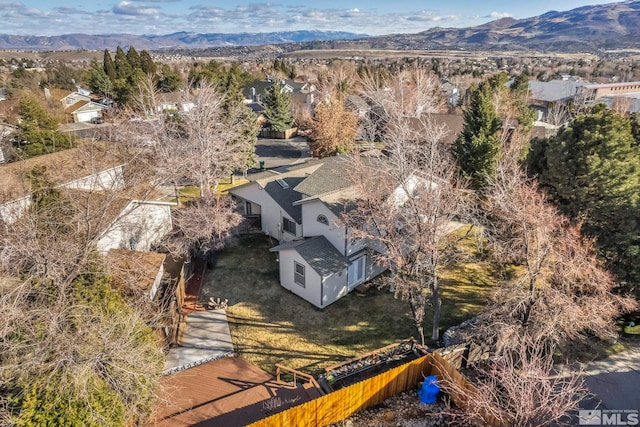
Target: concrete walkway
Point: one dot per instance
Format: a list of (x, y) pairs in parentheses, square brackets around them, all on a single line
[(206, 337)]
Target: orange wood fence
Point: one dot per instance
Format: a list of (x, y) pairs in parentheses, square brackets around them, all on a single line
[(341, 404)]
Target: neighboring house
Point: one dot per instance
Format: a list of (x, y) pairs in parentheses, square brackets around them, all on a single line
[(78, 168), (301, 208), (138, 226), (302, 93), (174, 101), (81, 107), (594, 92)]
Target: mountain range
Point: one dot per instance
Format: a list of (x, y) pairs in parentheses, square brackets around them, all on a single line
[(584, 29), (177, 40)]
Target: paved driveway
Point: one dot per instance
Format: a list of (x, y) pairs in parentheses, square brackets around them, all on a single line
[(280, 152)]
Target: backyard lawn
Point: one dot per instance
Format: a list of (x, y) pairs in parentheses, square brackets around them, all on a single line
[(271, 325)]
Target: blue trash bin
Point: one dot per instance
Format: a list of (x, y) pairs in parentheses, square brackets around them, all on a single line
[(430, 389)]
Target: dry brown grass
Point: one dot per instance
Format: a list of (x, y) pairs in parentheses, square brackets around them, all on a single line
[(271, 325)]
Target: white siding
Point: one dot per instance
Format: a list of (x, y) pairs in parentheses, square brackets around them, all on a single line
[(271, 212), (86, 116), (311, 290), (334, 287), (11, 211), (138, 227), (311, 227)]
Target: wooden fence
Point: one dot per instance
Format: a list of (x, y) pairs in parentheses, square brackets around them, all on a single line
[(341, 404), (289, 133)]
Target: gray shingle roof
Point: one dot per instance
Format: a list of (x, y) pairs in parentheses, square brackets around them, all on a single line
[(554, 90), (331, 176), (321, 255), (286, 196)]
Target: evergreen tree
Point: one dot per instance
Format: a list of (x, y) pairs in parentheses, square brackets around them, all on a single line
[(108, 66), (123, 68), (146, 63), (98, 80), (477, 147), (592, 171), (277, 108), (38, 132), (133, 58)]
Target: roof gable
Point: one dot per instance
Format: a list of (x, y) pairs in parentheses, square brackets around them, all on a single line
[(319, 253)]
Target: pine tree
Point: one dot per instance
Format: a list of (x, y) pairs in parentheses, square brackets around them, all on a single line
[(477, 147), (133, 58), (592, 171), (108, 66), (146, 63), (123, 68), (277, 108)]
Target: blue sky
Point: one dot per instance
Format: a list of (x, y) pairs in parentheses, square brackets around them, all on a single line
[(53, 17)]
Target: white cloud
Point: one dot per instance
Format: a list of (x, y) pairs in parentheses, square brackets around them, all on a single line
[(127, 8), (133, 16), (498, 15)]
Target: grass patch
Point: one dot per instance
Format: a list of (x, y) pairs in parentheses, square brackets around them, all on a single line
[(190, 192), (272, 325), (225, 184)]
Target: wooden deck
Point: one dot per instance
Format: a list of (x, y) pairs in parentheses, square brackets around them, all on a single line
[(225, 392)]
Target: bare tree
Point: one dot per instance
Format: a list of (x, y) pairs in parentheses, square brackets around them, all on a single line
[(562, 292), (517, 388), (70, 345), (409, 201), (203, 144), (409, 94), (202, 225)]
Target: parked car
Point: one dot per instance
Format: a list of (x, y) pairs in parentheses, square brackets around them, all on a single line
[(97, 120)]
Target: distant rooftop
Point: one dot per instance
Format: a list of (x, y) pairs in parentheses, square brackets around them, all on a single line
[(554, 90)]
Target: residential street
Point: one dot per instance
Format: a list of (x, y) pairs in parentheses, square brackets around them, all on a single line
[(615, 381)]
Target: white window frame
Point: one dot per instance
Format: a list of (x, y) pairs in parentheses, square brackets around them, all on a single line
[(356, 271), (285, 228), (299, 278)]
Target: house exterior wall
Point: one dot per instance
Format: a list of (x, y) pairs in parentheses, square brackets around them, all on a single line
[(334, 233), (138, 227), (334, 287), (156, 283), (617, 89), (112, 179), (11, 211), (85, 116), (312, 289), (271, 212)]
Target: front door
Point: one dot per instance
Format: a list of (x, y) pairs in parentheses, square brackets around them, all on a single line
[(356, 271)]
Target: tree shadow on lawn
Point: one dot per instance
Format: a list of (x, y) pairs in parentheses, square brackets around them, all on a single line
[(271, 325)]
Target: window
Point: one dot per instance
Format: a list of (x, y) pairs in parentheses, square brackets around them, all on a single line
[(323, 219), (289, 226), (298, 273), (248, 209)]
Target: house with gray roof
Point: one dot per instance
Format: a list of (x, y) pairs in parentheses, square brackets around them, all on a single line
[(301, 93), (302, 208)]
